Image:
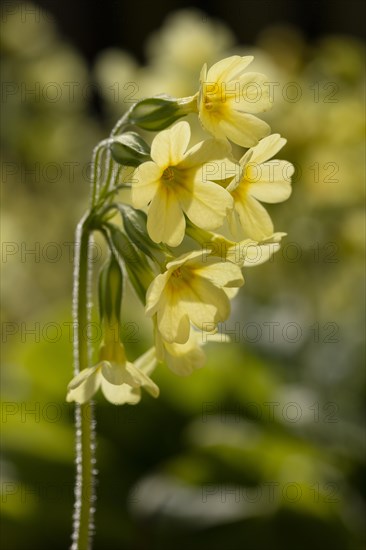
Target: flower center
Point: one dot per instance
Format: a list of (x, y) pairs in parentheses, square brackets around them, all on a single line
[(168, 174)]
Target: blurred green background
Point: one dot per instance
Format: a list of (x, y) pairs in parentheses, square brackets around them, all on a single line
[(264, 447)]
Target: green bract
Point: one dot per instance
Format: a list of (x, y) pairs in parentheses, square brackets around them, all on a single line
[(157, 113), (129, 149)]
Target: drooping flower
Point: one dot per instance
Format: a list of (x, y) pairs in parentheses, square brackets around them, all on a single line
[(178, 182), (259, 180), (228, 99), (193, 289), (120, 380)]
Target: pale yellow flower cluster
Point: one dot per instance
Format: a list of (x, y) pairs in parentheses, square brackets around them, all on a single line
[(206, 187), (187, 190)]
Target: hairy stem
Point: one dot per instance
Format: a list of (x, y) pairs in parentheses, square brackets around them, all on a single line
[(84, 422)]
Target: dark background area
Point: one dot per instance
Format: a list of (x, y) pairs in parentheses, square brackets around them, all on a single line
[(92, 26)]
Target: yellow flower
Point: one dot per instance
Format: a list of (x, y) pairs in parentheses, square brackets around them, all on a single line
[(259, 180), (177, 182), (228, 98), (192, 289), (119, 379)]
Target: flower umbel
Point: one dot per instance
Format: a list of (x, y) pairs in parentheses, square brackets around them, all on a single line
[(228, 99), (178, 182)]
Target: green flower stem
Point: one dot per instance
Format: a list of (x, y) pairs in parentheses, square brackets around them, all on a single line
[(85, 446)]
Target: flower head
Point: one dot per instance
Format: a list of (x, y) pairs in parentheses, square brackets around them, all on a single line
[(194, 289), (178, 182), (259, 181), (228, 98), (119, 379)]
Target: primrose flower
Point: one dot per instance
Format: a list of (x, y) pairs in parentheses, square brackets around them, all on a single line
[(178, 182), (229, 96), (119, 379), (193, 290), (259, 180)]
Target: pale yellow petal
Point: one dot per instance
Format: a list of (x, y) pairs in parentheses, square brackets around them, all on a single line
[(242, 128), (82, 376), (267, 148), (272, 186), (228, 69), (254, 218), (155, 291), (117, 374), (169, 146), (218, 169), (145, 184), (220, 273), (230, 293), (208, 205), (173, 321), (256, 254), (146, 362), (184, 362), (141, 379), (209, 150), (250, 94), (120, 395), (165, 221), (84, 390), (211, 122), (205, 303)]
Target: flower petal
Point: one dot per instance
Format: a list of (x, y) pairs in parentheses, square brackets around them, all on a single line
[(82, 376), (208, 204), (267, 148), (145, 183), (228, 69), (254, 218), (220, 273), (256, 254), (85, 387), (205, 303), (183, 359), (120, 395), (141, 379), (242, 128), (146, 362), (173, 321), (252, 95), (165, 221), (115, 373), (209, 150), (272, 186), (169, 146), (154, 292)]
